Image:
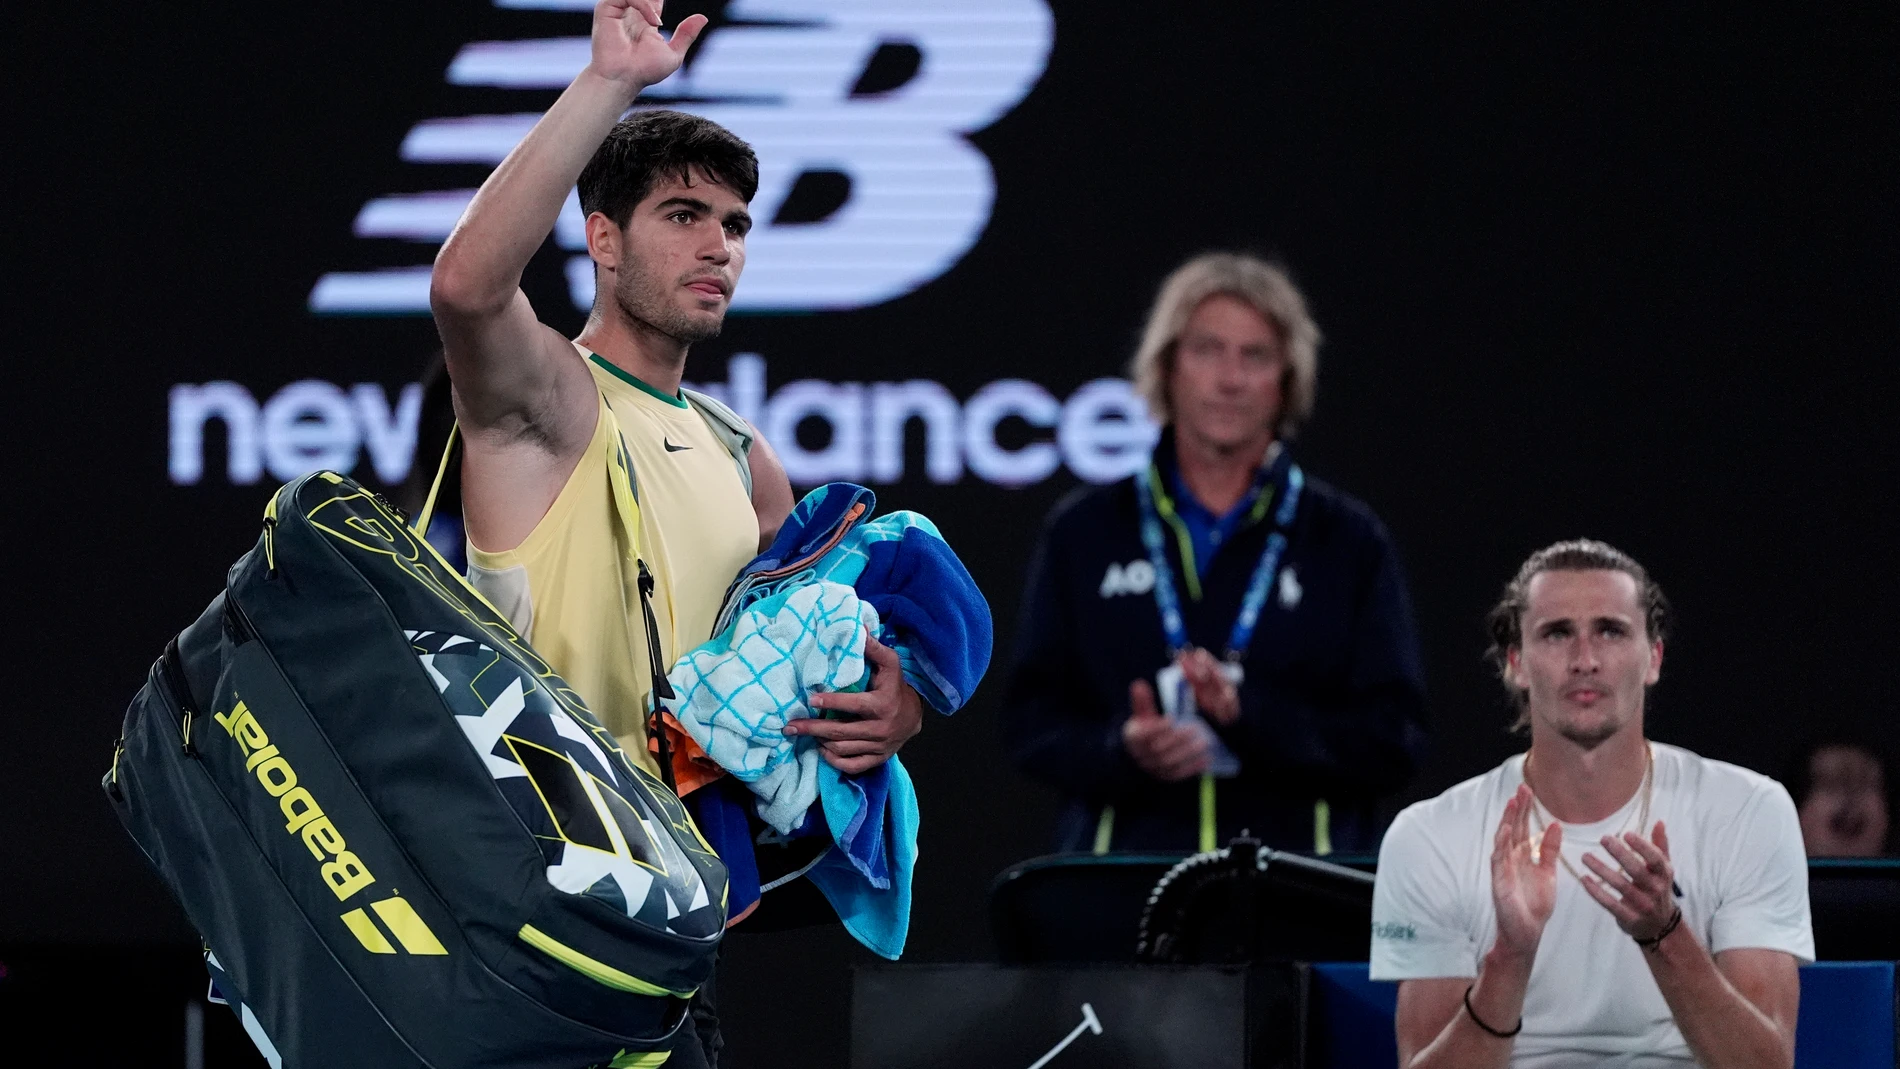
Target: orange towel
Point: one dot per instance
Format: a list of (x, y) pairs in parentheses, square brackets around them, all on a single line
[(692, 768)]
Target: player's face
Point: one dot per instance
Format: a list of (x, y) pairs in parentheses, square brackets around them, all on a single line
[(1229, 367), (1586, 654), (680, 257)]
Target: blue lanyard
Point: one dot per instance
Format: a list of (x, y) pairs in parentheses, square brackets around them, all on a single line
[(1257, 589)]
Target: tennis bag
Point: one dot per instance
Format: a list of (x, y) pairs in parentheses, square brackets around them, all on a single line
[(404, 839)]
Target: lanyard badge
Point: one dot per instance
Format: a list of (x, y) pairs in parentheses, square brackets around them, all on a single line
[(1177, 698), (1177, 704)]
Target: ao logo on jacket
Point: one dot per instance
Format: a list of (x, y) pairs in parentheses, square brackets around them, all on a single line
[(1135, 577), (1138, 577)]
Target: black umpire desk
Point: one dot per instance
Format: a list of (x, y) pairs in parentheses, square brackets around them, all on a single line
[(1067, 991)]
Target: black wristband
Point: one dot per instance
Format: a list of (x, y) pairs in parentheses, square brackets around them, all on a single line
[(1479, 1021), (1654, 941)]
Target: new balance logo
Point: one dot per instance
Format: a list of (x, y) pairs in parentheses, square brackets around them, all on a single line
[(1135, 577), (1101, 432), (859, 110)]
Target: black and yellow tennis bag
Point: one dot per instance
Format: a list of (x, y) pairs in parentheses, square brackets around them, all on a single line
[(403, 838)]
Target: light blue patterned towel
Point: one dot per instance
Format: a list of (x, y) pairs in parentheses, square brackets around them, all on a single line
[(738, 691)]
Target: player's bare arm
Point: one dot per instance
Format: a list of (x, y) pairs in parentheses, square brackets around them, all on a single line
[(1736, 1009), (1436, 1030), (525, 401), (772, 498)]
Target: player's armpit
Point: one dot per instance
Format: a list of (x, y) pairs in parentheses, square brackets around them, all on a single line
[(516, 378), (523, 433)]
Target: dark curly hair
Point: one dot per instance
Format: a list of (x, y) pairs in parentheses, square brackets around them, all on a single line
[(1505, 622), (650, 145)]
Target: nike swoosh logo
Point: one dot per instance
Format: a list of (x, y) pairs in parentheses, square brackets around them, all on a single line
[(671, 448)]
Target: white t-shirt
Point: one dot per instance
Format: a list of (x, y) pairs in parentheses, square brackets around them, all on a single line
[(1736, 846)]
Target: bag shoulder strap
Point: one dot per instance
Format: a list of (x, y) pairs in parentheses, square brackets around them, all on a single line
[(626, 485), (627, 508), (451, 452), (729, 427)]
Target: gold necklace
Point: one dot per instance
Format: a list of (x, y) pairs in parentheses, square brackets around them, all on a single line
[(1641, 814)]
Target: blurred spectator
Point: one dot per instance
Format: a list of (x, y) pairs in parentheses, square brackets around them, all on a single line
[(1220, 642), (1840, 788)]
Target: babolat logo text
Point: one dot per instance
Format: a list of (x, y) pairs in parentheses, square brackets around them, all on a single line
[(340, 869), (343, 872)]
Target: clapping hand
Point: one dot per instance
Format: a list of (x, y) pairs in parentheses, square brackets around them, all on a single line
[(1523, 875), (1642, 896)]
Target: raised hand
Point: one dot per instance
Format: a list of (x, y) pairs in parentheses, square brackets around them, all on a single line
[(629, 48), (1163, 749), (1523, 875), (1643, 902)]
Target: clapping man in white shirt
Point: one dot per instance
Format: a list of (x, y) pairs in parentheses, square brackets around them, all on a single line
[(1601, 900)]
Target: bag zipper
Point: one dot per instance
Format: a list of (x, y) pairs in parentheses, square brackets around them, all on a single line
[(172, 668), (237, 625), (270, 537), (402, 515), (112, 777)]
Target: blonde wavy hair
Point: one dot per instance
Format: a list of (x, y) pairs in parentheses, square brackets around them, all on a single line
[(1267, 287)]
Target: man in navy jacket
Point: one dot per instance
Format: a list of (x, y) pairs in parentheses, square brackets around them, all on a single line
[(1220, 642)]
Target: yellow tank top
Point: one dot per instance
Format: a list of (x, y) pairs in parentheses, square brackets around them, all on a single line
[(569, 587)]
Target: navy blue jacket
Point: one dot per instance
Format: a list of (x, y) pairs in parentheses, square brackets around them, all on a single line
[(1332, 706)]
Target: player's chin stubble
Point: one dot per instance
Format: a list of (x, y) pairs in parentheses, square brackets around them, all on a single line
[(1590, 734), (644, 300)]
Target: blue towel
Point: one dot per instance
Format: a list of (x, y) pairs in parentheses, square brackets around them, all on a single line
[(922, 602), (932, 612), (875, 912)]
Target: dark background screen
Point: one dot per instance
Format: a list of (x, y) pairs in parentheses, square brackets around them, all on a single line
[(1604, 271)]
